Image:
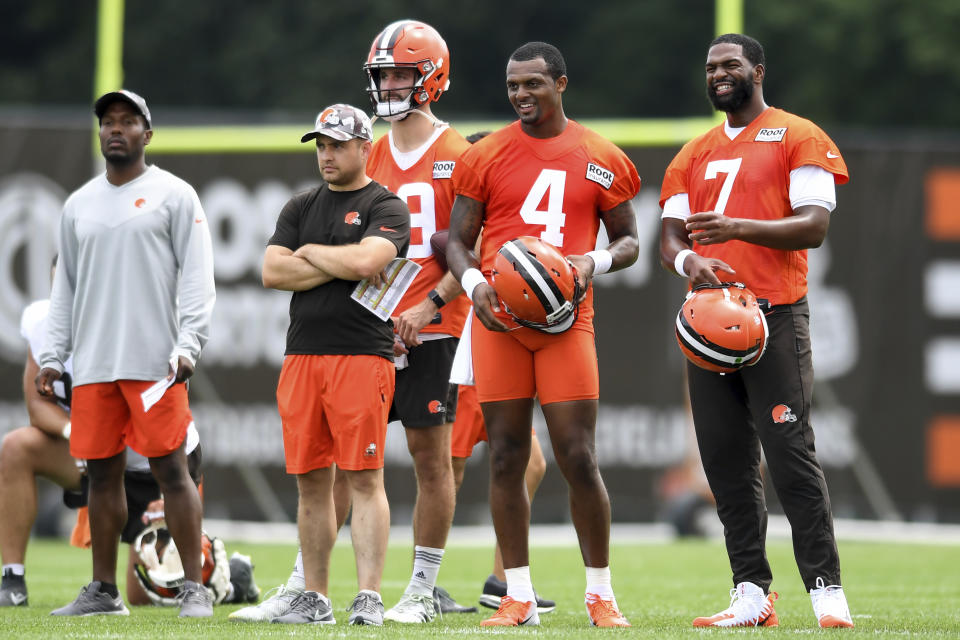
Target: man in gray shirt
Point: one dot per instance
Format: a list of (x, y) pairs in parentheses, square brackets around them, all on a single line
[(132, 300)]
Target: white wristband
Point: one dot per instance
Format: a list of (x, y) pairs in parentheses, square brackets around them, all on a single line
[(66, 431), (602, 260), (678, 261), (470, 280)]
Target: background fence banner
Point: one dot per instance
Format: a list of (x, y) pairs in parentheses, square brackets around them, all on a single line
[(884, 298)]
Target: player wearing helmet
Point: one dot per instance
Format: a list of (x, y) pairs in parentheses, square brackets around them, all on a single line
[(744, 202), (549, 177), (409, 69)]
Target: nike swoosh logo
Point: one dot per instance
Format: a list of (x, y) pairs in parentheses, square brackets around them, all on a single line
[(382, 228), (832, 155), (17, 598)]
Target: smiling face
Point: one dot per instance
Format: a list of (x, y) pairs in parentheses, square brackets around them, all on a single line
[(534, 94), (123, 134), (731, 78)]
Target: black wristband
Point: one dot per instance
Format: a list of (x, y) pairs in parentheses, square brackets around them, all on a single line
[(435, 297)]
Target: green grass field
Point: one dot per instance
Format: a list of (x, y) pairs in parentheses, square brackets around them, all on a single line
[(894, 590)]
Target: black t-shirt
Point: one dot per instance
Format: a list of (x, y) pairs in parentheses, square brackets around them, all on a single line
[(325, 320)]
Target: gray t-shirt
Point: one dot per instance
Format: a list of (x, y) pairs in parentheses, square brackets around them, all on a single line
[(134, 283)]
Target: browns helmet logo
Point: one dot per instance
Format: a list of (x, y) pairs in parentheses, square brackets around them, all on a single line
[(435, 406), (140, 202), (782, 413), (329, 116), (352, 217)]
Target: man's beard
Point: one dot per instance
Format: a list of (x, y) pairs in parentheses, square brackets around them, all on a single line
[(120, 159), (740, 95)]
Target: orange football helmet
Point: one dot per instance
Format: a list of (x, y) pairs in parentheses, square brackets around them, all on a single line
[(412, 44), (159, 569), (537, 284), (721, 327)]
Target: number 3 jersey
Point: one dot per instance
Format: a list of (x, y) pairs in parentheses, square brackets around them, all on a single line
[(749, 177), (552, 188), (423, 179)]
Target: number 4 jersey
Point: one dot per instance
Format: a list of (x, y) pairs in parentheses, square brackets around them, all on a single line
[(423, 179), (553, 189), (749, 177)]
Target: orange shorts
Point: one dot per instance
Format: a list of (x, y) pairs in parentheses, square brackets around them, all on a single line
[(524, 363), (468, 427), (106, 417), (334, 409)]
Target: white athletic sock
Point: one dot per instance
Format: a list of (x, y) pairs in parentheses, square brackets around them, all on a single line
[(426, 566), (16, 569), (598, 582), (519, 585), (297, 580)]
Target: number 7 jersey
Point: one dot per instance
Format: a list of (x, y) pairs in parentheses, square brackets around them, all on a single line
[(749, 177), (553, 188)]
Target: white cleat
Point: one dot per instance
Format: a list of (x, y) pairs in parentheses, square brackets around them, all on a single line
[(830, 606), (749, 607)]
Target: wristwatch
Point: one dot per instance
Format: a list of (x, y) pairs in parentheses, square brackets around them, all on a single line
[(435, 297)]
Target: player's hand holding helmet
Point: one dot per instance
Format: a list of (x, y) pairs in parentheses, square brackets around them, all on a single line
[(159, 569), (537, 284), (721, 327)]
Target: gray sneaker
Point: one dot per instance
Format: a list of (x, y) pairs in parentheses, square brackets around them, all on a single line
[(367, 608), (13, 590), (241, 577), (93, 602), (275, 604), (196, 601), (308, 608), (447, 604)]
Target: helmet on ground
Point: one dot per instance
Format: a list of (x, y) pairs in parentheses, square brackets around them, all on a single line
[(721, 327), (537, 284), (414, 45), (159, 569)]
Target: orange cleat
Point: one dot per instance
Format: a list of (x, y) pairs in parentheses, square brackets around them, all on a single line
[(513, 613), (749, 607), (604, 613)]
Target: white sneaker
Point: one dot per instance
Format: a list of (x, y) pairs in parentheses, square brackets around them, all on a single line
[(275, 604), (830, 606), (749, 607), (413, 608)]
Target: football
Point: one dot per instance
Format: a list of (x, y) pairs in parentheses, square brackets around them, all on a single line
[(438, 244)]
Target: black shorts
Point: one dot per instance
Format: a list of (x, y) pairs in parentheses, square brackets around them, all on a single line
[(141, 489), (424, 396)]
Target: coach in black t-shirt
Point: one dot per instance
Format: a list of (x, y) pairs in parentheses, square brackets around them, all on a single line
[(337, 380)]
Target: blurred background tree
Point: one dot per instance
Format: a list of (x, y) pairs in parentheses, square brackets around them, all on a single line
[(847, 63)]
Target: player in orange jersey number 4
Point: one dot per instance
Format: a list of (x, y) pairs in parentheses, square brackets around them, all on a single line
[(549, 177)]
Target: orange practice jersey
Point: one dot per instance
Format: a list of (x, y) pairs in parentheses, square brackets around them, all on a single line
[(553, 189), (427, 188), (749, 177)]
